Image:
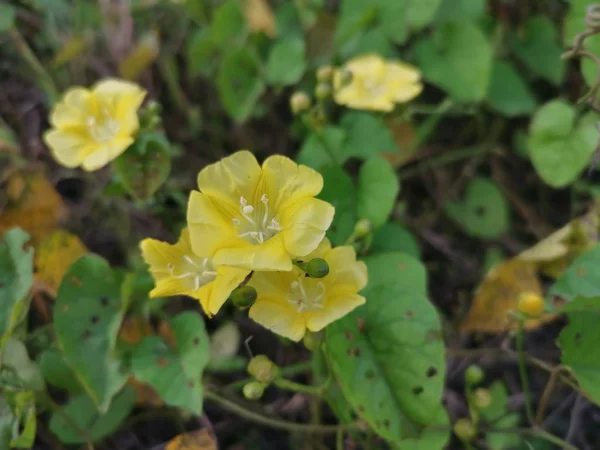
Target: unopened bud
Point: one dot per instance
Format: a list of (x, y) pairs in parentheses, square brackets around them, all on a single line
[(263, 369), (243, 297), (299, 102), (312, 340), (482, 398), (531, 304), (317, 268), (362, 228), (318, 116), (324, 74), (345, 77), (474, 374), (464, 430), (253, 390), (323, 91)]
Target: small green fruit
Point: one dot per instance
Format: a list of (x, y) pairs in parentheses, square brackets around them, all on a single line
[(465, 430), (253, 390)]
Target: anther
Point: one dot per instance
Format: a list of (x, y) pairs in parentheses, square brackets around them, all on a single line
[(248, 209)]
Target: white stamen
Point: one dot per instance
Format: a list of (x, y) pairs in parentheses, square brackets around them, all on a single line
[(196, 283), (236, 221), (243, 201), (248, 209), (264, 199), (191, 261)]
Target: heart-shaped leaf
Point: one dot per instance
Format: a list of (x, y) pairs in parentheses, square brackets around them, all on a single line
[(378, 187)]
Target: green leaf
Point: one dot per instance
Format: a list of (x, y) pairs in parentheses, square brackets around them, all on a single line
[(497, 413), (145, 166), (354, 17), (176, 373), (574, 24), (15, 355), (202, 50), (433, 437), (508, 93), (228, 24), (16, 277), (580, 351), (240, 84), (339, 190), (538, 47), (17, 419), (388, 355), (83, 414), (581, 279), (87, 317), (444, 61), (57, 372), (314, 153), (401, 18), (372, 40), (287, 61), (378, 187), (484, 212), (366, 136), (395, 237), (460, 10), (559, 148), (7, 17)]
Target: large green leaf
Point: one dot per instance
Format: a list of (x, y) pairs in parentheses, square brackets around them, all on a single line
[(537, 45), (287, 61), (378, 187), (339, 190), (366, 136), (483, 212), (57, 372), (508, 93), (388, 355), (559, 147), (239, 82), (176, 373), (315, 151), (89, 422), (401, 18), (354, 17), (460, 10), (87, 317), (393, 237), (465, 75), (16, 277), (581, 279)]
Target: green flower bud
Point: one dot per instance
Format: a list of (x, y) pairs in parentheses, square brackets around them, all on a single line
[(263, 369), (299, 102), (317, 268), (482, 398), (312, 340), (474, 374), (253, 390), (243, 297), (324, 74), (465, 430), (323, 91), (362, 228), (345, 78), (317, 116)]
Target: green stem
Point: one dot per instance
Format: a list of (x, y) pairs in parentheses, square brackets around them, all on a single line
[(288, 371), (339, 440), (523, 371), (43, 77), (282, 383), (553, 439), (270, 422)]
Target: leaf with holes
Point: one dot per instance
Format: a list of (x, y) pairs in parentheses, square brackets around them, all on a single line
[(57, 372), (87, 317), (83, 414), (16, 277), (388, 355), (582, 278), (580, 351), (378, 187), (483, 212), (176, 373), (339, 190)]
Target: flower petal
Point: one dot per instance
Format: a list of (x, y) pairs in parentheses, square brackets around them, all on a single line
[(396, 70), (287, 182), (105, 153), (304, 224), (73, 109), (230, 179), (335, 308), (270, 256), (67, 148), (114, 86), (209, 229), (344, 270), (228, 278), (407, 92), (278, 317)]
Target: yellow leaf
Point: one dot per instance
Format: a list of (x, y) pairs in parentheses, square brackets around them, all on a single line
[(498, 296), (54, 255), (260, 17), (71, 50), (141, 57), (194, 440), (32, 204)]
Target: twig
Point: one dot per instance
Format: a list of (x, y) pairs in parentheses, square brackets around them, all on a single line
[(539, 417), (577, 415)]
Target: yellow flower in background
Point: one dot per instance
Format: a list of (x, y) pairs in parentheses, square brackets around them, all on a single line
[(289, 303), (372, 83), (257, 218), (93, 127), (178, 271)]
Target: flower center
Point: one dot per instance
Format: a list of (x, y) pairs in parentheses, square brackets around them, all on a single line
[(102, 127), (255, 224), (197, 271), (373, 87), (307, 294)]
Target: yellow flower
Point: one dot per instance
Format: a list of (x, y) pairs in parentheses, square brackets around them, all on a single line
[(257, 218), (370, 82), (178, 271), (93, 127), (289, 303)]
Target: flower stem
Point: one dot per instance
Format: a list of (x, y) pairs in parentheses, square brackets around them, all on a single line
[(271, 422), (523, 371), (288, 371), (297, 387)]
